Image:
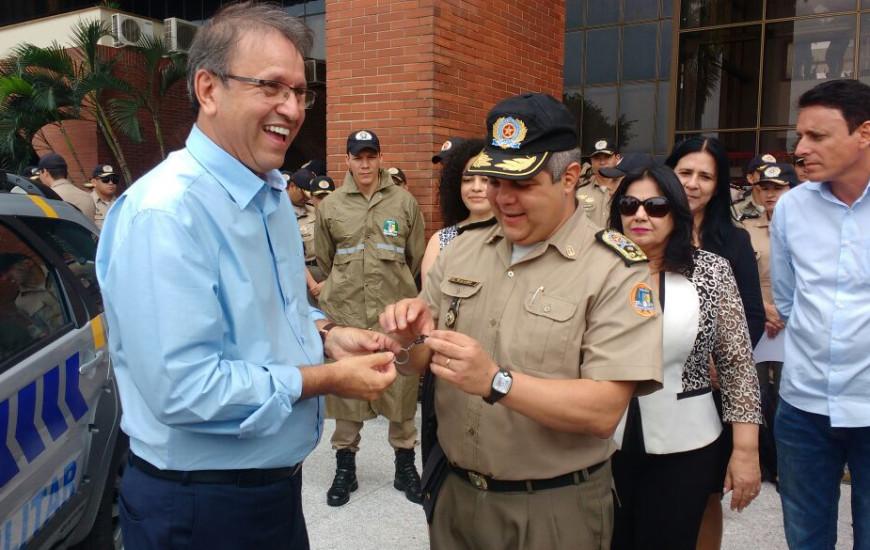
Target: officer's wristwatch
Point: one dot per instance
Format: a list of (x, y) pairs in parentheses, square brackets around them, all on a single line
[(501, 384)]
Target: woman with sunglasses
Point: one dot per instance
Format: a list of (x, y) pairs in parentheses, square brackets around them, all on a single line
[(669, 439), (701, 164)]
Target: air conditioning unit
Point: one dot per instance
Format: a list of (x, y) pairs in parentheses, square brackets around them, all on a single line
[(178, 34), (130, 30), (315, 71)]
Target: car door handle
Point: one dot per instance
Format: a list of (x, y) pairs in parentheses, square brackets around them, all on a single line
[(92, 364)]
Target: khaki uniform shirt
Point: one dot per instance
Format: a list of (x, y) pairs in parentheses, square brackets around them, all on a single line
[(747, 209), (594, 199), (101, 208), (68, 191), (759, 234), (306, 217), (565, 311)]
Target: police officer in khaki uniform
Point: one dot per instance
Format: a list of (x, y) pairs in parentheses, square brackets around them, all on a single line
[(774, 180), (321, 186), (546, 328), (53, 173), (747, 207), (594, 196), (370, 243), (105, 182), (298, 184)]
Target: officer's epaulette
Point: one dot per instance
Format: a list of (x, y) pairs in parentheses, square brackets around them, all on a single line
[(622, 245)]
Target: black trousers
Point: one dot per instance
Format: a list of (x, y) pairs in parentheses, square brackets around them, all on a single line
[(661, 498), (159, 514)]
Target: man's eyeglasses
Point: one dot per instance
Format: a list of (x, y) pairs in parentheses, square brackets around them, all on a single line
[(109, 179), (655, 207), (276, 90)]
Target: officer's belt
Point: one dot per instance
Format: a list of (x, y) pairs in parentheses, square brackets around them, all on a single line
[(243, 478), (486, 483), (312, 263)]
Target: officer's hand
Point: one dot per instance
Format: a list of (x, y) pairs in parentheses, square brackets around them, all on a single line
[(316, 288), (771, 316), (364, 377), (407, 319), (771, 329), (460, 360), (344, 342)]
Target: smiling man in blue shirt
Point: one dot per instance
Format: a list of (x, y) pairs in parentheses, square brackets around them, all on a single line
[(216, 349), (820, 271)]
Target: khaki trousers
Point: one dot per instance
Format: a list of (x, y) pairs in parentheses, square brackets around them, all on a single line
[(402, 435), (575, 516)]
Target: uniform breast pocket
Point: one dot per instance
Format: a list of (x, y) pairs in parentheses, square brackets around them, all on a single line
[(460, 304), (548, 332)]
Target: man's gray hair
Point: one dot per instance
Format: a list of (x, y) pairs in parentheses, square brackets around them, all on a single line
[(217, 40), (560, 160)]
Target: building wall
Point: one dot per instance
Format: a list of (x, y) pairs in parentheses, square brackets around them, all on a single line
[(417, 72)]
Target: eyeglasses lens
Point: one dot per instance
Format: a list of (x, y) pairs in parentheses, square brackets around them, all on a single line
[(655, 207)]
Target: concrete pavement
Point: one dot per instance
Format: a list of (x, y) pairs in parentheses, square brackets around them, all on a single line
[(378, 517)]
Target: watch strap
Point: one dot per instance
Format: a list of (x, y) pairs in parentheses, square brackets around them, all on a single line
[(494, 394), (324, 330)]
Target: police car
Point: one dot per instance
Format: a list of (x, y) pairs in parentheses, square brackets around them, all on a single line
[(61, 450)]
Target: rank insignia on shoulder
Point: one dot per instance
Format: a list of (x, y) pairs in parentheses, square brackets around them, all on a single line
[(463, 282), (622, 245)]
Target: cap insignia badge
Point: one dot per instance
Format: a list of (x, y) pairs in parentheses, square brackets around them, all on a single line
[(323, 184), (107, 168), (447, 145), (599, 145), (772, 172), (768, 158), (517, 164), (508, 133), (363, 136)]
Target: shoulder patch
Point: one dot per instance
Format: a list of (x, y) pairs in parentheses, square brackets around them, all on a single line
[(622, 245)]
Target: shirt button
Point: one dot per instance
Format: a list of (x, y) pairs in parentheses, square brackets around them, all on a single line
[(510, 274), (840, 305), (546, 309), (492, 322), (834, 398), (470, 431)]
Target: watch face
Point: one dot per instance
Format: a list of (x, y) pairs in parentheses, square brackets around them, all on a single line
[(501, 383)]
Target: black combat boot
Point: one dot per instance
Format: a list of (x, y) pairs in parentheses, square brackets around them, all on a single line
[(407, 478), (345, 478)]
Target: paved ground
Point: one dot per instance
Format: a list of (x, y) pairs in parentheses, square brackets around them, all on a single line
[(378, 517)]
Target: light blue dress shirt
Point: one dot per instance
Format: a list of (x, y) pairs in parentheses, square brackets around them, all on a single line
[(820, 271), (201, 268)]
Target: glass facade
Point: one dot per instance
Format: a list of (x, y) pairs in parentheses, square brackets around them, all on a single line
[(617, 71)]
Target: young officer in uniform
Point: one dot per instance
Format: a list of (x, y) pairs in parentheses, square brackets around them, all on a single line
[(546, 327), (298, 184), (321, 187), (370, 243), (105, 182), (594, 197)]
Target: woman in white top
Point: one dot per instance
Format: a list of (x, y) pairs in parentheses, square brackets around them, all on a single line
[(463, 199), (669, 440)]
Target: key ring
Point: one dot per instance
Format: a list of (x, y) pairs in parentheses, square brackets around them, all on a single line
[(402, 359)]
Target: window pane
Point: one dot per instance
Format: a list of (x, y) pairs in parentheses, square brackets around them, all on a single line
[(779, 143), (663, 111), (603, 12), (317, 23), (864, 52), (718, 85), (639, 51), (574, 13), (797, 56), (573, 99), (635, 10), (601, 55), (665, 31), (636, 125), (599, 116), (295, 8), (703, 13), (315, 6), (790, 8), (667, 8), (572, 71)]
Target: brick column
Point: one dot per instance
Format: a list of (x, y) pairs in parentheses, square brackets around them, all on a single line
[(418, 71)]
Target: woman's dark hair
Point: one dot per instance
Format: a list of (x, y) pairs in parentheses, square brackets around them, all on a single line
[(718, 222), (453, 210), (679, 249)]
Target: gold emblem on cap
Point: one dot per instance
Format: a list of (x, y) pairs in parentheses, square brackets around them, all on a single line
[(517, 164), (508, 132), (570, 252), (286, 177), (599, 145), (107, 168), (446, 145), (393, 171), (323, 184), (768, 158), (482, 161), (772, 172)]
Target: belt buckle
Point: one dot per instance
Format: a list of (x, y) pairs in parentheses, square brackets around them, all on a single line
[(478, 480)]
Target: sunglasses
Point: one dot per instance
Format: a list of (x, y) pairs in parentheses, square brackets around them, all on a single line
[(655, 207), (109, 179)]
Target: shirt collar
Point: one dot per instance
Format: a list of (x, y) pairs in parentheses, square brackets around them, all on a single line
[(239, 181), (823, 188), (384, 182), (565, 240)]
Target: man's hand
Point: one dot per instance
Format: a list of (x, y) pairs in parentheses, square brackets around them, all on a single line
[(342, 342), (773, 323), (407, 319), (316, 288), (364, 377), (460, 360)]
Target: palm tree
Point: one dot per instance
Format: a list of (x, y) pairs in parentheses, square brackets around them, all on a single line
[(162, 69)]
